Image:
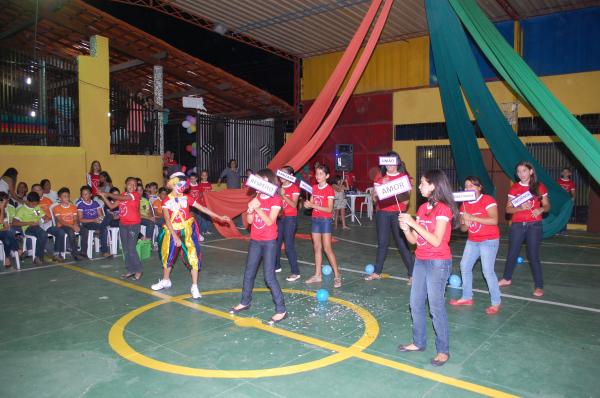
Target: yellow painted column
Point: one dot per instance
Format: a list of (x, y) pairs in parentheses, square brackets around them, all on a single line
[(94, 123)]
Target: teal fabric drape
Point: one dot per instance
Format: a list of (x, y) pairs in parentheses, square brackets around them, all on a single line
[(457, 57), (528, 86), (461, 132)]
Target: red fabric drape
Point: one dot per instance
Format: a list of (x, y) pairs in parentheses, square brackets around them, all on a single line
[(309, 149), (309, 124), (233, 202)]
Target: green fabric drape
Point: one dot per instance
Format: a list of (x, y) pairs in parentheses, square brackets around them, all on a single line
[(461, 132), (528, 86), (508, 150)]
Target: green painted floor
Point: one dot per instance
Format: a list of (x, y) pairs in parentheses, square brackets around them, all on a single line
[(55, 323)]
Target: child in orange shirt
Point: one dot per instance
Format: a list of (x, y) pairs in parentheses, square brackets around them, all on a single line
[(157, 206), (66, 218)]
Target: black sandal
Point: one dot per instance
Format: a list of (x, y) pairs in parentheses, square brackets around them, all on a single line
[(234, 310), (127, 276), (436, 363), (274, 321)]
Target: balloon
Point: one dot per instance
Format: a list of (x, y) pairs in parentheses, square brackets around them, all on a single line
[(369, 269), (194, 153), (185, 124), (189, 130), (193, 127), (327, 270), (322, 295), (455, 281), (189, 118), (194, 145), (193, 120), (189, 148), (520, 260)]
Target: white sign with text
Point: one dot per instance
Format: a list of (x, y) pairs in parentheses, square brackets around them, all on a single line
[(261, 185), (286, 176), (388, 161), (519, 200), (306, 187), (394, 187), (464, 196)]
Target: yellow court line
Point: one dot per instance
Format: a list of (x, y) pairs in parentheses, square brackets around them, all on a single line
[(355, 351)]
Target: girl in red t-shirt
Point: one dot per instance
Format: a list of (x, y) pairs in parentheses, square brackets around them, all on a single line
[(129, 225), (321, 201), (93, 177), (526, 225), (262, 215), (431, 233), (286, 225), (480, 219)]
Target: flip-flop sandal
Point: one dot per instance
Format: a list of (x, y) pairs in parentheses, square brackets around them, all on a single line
[(127, 276)]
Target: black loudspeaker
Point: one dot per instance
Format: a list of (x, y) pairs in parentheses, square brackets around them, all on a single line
[(344, 157)]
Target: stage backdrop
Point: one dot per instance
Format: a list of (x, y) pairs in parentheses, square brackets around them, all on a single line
[(366, 123)]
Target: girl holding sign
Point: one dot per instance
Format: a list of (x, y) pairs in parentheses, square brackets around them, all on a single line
[(286, 225), (386, 220), (431, 233), (321, 202), (526, 224), (480, 218), (262, 214)]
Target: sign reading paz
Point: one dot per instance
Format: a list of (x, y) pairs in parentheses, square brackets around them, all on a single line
[(519, 200), (394, 187), (306, 187), (286, 176), (261, 185), (388, 161), (464, 196)]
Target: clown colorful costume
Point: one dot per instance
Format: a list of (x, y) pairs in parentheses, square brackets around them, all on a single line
[(186, 229)]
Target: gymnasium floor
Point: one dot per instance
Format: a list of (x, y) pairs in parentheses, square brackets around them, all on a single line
[(79, 331)]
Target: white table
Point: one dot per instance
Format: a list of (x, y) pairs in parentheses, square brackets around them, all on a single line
[(352, 206)]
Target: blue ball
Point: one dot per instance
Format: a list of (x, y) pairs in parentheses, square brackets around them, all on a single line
[(322, 295), (454, 281), (520, 260), (369, 269), (327, 270)]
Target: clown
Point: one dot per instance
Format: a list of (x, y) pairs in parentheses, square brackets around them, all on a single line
[(181, 232)]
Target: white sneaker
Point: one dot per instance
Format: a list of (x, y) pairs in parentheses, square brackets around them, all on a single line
[(201, 238), (195, 292), (292, 278), (162, 284), (278, 270)]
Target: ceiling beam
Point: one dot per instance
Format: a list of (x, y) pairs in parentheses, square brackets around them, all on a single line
[(180, 94), (46, 8), (136, 62), (509, 9)]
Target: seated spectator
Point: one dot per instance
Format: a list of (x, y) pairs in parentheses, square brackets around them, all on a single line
[(57, 233), (112, 207), (7, 237), (65, 215), (157, 206), (92, 218), (22, 190), (105, 182), (48, 192), (8, 183), (29, 216), (146, 213)]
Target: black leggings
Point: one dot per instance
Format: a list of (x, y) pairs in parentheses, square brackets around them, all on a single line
[(387, 222), (519, 233)]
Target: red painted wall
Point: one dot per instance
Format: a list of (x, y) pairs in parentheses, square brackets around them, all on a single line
[(366, 123)]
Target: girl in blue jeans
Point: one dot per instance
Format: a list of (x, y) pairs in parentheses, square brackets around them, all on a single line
[(480, 219), (286, 225), (262, 215), (431, 233)]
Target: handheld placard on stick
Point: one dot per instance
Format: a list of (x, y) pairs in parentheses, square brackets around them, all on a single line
[(286, 176), (393, 188), (306, 187), (261, 185), (464, 196)]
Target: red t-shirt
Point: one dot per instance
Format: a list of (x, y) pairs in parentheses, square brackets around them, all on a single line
[(205, 186), (427, 217), (129, 210), (179, 207), (320, 197), (292, 192), (480, 232), (195, 192), (567, 185), (260, 230), (389, 204), (525, 215), (93, 180)]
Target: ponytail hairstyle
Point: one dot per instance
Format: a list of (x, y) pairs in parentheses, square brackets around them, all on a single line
[(268, 173), (477, 182), (442, 193), (534, 185)]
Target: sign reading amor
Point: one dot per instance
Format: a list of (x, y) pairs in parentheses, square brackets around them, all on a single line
[(261, 185), (394, 187), (464, 196), (306, 187), (519, 200), (286, 176), (388, 161)]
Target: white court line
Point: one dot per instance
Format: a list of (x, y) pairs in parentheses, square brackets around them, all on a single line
[(41, 267), (497, 258), (555, 303)]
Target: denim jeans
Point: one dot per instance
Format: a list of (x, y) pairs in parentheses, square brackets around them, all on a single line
[(429, 284), (71, 239), (286, 233), (86, 229), (265, 250), (387, 222), (9, 241), (519, 233), (487, 250), (204, 221), (149, 228), (42, 239), (129, 237), (59, 239)]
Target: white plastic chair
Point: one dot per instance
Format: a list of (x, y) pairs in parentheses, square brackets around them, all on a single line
[(369, 203), (15, 254), (64, 254), (113, 240), (29, 252)]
